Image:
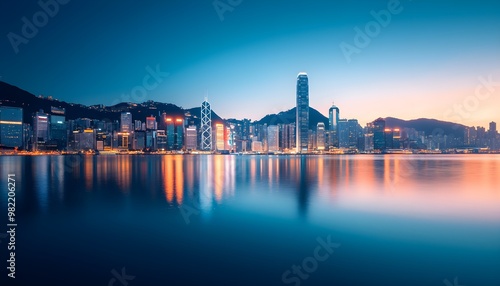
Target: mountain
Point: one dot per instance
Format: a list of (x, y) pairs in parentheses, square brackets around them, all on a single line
[(16, 97), (286, 117), (196, 111), (429, 126), (13, 96)]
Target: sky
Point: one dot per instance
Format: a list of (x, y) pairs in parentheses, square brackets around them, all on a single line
[(420, 59)]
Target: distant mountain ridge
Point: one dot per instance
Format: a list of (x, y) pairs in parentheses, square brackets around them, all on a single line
[(13, 96)]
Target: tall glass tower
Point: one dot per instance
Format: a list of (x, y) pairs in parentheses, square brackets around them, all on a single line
[(302, 115), (333, 121), (206, 126)]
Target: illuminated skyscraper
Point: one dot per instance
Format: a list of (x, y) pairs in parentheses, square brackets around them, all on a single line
[(206, 126), (11, 127), (191, 138), (333, 121), (320, 136), (126, 122), (175, 133), (58, 131), (219, 137), (40, 130), (302, 115), (379, 134), (151, 123)]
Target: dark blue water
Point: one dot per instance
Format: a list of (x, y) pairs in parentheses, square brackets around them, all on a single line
[(254, 220)]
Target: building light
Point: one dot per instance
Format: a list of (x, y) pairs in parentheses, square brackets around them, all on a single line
[(11, 122)]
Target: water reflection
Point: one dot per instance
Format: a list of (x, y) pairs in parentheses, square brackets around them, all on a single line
[(445, 186)]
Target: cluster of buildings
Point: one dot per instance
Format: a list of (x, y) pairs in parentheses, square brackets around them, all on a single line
[(50, 131)]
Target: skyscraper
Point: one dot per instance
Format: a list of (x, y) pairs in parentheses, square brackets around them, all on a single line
[(11, 127), (40, 130), (302, 115), (58, 131), (191, 138), (343, 133), (273, 132), (206, 126), (379, 134), (151, 123), (493, 128), (219, 135), (126, 122), (320, 136), (333, 121)]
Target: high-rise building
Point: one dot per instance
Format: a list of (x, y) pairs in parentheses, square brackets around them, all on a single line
[(493, 128), (40, 130), (139, 140), (273, 133), (343, 134), (333, 120), (58, 131), (378, 134), (369, 137), (389, 138), (320, 136), (126, 122), (175, 133), (191, 138), (302, 113), (137, 125), (396, 142), (11, 127), (206, 126), (151, 123), (161, 140), (355, 133), (83, 140), (219, 137)]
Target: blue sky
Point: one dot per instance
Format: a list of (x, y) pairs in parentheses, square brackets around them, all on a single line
[(428, 59)]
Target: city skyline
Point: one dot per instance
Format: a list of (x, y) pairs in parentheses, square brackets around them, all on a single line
[(426, 60)]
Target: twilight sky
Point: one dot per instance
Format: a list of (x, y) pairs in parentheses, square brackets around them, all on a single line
[(426, 61)]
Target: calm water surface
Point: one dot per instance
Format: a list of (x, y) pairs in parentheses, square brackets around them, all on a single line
[(247, 220)]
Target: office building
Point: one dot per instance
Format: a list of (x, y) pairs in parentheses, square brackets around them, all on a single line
[(219, 137), (151, 123), (333, 128), (320, 136), (379, 134), (273, 133), (58, 131), (175, 133), (302, 113), (206, 126), (191, 138), (126, 122), (343, 133), (40, 130), (11, 127)]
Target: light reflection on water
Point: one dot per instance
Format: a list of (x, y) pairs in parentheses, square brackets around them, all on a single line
[(412, 203)]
